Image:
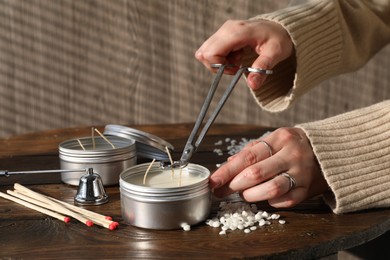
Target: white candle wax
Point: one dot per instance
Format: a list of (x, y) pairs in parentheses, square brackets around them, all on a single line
[(165, 178)]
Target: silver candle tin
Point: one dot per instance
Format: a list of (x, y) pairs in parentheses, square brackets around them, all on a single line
[(108, 162), (164, 208)]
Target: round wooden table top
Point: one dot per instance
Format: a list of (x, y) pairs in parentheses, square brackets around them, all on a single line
[(311, 229)]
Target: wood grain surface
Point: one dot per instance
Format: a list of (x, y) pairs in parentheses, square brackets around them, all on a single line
[(312, 230)]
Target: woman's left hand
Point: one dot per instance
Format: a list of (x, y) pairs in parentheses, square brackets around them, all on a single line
[(280, 168)]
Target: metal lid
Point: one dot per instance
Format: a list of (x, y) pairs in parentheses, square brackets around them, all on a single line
[(147, 145)]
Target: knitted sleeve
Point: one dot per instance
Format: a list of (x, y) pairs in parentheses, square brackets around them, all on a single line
[(330, 38), (353, 150)]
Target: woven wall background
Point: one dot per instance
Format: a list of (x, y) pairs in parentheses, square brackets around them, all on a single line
[(93, 62)]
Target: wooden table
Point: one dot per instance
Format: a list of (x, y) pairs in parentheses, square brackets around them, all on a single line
[(311, 231)]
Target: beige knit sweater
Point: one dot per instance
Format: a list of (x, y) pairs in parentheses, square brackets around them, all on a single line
[(353, 149)]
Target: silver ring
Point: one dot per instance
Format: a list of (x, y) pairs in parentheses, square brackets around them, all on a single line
[(292, 181), (268, 147), (259, 70)]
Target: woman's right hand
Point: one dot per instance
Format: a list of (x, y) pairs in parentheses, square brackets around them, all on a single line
[(268, 41), (280, 168)]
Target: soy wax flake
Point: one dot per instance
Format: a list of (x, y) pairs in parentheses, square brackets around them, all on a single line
[(241, 216)]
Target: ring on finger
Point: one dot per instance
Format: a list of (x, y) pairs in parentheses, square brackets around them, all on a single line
[(292, 181), (268, 146)]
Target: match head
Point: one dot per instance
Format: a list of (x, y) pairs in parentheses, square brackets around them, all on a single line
[(113, 225), (66, 219), (89, 223), (108, 217)]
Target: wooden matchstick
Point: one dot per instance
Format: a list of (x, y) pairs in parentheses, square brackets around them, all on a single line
[(36, 208), (53, 205), (88, 213), (29, 199), (111, 225), (96, 218), (108, 141), (147, 170)]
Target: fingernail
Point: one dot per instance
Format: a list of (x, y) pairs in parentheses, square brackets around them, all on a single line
[(215, 183), (198, 55), (231, 157)]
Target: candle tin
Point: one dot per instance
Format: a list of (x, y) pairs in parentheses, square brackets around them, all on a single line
[(164, 208), (148, 146), (105, 160)]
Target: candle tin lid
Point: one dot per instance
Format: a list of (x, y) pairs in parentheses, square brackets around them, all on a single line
[(147, 145)]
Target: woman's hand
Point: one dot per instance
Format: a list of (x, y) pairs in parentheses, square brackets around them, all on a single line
[(256, 171), (268, 42)]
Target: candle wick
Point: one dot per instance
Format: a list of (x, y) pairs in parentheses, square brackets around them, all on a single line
[(170, 159), (81, 145), (108, 141), (147, 170)]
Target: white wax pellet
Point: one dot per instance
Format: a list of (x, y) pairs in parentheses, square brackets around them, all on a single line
[(216, 224), (264, 214), (218, 143), (232, 227), (241, 216), (218, 151), (250, 223), (223, 232), (185, 227), (250, 218), (261, 222), (282, 221)]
